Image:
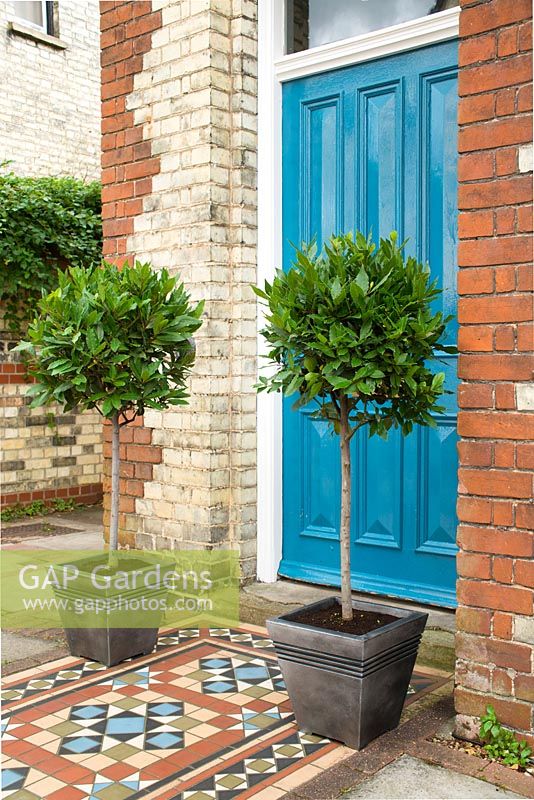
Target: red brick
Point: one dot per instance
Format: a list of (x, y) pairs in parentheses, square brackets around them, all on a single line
[(525, 456), (505, 102), (501, 132), (477, 49), (473, 565), (473, 676), (494, 425), (495, 483), (505, 396), (506, 161), (504, 221), (112, 18), (476, 281), (117, 191), (142, 435), (474, 166), (507, 654), (475, 395), (505, 279), (493, 75), (486, 594), (473, 509), (494, 367), (502, 250), (504, 454), (524, 687), (495, 309), (144, 25), (510, 712), (475, 454), (501, 682), (472, 224), (143, 472), (502, 569), (505, 337), (147, 453), (117, 52), (494, 540), (525, 36), (475, 109), (135, 488), (473, 620), (475, 338), (524, 573), (524, 98), (141, 169), (507, 42), (524, 516), (525, 220), (489, 194), (502, 625), (493, 15)]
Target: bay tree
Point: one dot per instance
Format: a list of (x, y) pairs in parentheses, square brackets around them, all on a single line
[(115, 340), (353, 329)]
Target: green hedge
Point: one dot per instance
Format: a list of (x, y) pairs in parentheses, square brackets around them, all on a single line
[(46, 224)]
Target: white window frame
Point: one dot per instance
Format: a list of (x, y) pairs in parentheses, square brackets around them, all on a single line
[(274, 67), (28, 23)]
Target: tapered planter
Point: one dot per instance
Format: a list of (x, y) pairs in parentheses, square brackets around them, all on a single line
[(347, 687), (100, 636)]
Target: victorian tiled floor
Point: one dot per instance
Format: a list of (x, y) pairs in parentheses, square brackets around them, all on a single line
[(205, 717)]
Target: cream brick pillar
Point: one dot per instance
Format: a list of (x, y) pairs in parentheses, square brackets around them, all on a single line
[(195, 101)]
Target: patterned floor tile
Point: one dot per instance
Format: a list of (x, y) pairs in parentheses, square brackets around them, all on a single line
[(206, 713)]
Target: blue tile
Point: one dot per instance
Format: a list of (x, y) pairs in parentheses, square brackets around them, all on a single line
[(165, 709), (242, 673), (13, 778), (218, 686), (88, 712), (163, 741), (80, 744), (125, 725)]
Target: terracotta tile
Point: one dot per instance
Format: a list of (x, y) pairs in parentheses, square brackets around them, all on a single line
[(75, 774), (118, 771), (159, 769), (67, 793)]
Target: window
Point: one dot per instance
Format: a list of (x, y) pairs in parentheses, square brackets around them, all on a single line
[(37, 14), (315, 22)]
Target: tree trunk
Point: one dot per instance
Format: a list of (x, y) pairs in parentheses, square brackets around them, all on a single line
[(115, 469), (346, 596)]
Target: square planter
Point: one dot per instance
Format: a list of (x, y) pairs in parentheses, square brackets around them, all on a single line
[(343, 686), (102, 638)]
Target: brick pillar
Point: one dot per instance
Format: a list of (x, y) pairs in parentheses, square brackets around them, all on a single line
[(496, 572), (180, 193)]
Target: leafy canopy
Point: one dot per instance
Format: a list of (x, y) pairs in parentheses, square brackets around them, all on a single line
[(46, 224), (116, 340), (356, 320)]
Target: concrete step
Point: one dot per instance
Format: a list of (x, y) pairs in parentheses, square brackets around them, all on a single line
[(259, 601)]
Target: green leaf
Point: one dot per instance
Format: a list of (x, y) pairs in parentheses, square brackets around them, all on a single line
[(362, 280)]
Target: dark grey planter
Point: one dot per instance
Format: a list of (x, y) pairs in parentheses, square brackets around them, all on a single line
[(347, 687), (106, 642), (110, 646)]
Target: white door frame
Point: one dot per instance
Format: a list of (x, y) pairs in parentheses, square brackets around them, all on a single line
[(274, 67)]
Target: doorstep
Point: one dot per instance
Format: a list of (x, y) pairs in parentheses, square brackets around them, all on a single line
[(259, 601)]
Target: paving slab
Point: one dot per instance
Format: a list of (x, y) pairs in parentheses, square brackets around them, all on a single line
[(15, 646), (410, 778)]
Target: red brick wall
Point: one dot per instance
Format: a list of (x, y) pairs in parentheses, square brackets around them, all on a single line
[(495, 536), (127, 170)]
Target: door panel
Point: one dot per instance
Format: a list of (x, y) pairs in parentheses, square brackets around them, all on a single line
[(374, 147)]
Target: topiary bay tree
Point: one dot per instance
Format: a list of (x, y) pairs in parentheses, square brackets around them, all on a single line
[(115, 340), (353, 330)]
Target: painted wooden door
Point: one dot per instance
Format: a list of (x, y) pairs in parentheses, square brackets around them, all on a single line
[(373, 147)]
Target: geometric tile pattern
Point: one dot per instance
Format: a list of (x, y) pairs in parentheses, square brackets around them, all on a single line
[(204, 717)]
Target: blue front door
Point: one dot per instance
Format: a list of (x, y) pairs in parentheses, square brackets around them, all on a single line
[(373, 147)]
